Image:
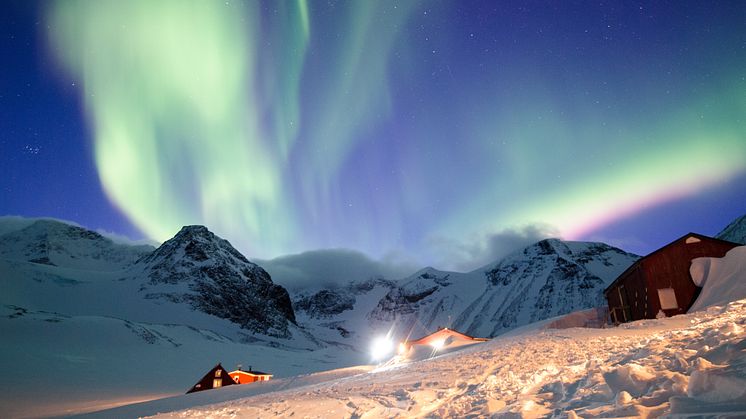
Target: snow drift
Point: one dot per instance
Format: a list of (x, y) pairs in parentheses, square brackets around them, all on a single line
[(722, 279)]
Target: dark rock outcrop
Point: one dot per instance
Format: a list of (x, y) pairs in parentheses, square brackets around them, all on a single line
[(200, 268)]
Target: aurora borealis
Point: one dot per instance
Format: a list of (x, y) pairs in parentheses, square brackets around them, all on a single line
[(423, 129)]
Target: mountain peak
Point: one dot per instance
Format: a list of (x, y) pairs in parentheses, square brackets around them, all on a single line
[(220, 281), (194, 230), (197, 244)]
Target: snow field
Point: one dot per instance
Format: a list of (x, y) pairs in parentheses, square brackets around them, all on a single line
[(686, 365)]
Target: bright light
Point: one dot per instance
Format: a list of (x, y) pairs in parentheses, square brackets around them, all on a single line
[(381, 347), (402, 348), (437, 344)]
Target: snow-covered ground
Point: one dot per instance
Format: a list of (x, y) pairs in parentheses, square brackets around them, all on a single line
[(685, 365)]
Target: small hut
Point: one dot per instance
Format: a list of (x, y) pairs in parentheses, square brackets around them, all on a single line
[(443, 338), (240, 376), (215, 378), (660, 283)]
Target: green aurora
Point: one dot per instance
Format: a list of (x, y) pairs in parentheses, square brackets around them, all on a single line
[(286, 126)]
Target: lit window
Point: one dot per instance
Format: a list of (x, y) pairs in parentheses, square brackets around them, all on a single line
[(217, 383), (667, 298), (217, 373), (692, 239)]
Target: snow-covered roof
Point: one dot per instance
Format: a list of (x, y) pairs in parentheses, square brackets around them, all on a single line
[(443, 332), (251, 372)]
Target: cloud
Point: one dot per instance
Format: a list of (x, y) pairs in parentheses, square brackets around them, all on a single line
[(466, 256), (122, 239), (334, 267)]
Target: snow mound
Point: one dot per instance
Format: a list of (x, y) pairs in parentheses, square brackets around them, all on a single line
[(593, 317), (722, 279)]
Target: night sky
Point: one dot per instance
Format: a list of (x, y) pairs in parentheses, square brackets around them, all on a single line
[(438, 132)]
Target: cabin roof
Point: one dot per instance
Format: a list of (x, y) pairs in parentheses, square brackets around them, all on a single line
[(252, 372), (444, 331)]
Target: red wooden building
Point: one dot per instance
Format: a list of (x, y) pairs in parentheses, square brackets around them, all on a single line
[(243, 377), (660, 282), (215, 378)]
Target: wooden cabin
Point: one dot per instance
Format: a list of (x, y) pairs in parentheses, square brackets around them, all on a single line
[(215, 378), (659, 283), (444, 337), (240, 376)]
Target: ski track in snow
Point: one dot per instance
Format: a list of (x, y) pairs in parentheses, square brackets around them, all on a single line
[(682, 366)]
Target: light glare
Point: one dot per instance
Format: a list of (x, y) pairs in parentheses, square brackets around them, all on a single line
[(381, 347), (437, 344)]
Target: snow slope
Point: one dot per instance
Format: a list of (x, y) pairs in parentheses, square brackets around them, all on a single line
[(57, 363), (686, 365)]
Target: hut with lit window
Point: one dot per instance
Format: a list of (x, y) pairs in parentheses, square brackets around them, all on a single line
[(240, 376), (215, 378), (660, 284)]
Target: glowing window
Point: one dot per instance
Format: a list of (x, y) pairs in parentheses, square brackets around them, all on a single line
[(217, 373), (667, 297), (217, 383), (692, 239)]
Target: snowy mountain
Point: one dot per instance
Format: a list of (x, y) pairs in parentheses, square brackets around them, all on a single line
[(735, 231), (55, 243), (205, 271), (546, 279)]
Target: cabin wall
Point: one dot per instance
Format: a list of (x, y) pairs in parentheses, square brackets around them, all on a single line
[(669, 268), (628, 298), (248, 378), (244, 378)]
